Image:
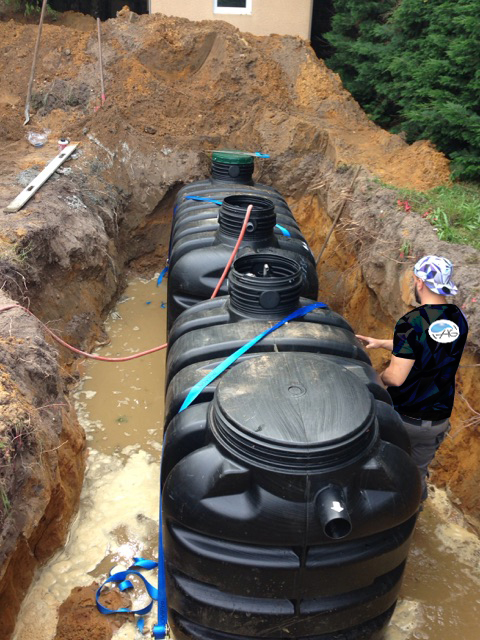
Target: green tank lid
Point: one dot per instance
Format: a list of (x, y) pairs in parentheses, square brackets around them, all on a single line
[(232, 157)]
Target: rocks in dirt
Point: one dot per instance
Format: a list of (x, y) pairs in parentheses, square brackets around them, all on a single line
[(37, 423), (79, 618), (61, 94), (150, 130), (25, 177)]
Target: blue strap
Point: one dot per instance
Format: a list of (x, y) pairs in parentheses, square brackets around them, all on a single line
[(163, 272), (284, 231), (160, 629), (197, 389), (144, 563), (124, 584), (121, 578), (202, 199), (257, 154)]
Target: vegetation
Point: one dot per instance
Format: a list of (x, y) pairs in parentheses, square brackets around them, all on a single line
[(412, 65), (28, 7), (453, 211)]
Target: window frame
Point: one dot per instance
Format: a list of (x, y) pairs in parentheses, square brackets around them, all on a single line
[(247, 11)]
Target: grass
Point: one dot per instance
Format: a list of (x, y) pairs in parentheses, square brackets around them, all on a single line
[(4, 500), (454, 211)]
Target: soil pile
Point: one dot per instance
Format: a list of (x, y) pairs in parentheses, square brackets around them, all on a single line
[(193, 86), (79, 618), (176, 90)]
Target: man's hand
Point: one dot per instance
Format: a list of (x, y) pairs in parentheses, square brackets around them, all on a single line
[(376, 343)]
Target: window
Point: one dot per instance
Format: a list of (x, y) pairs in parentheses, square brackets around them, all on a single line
[(232, 6)]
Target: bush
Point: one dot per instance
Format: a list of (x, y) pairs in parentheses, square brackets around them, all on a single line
[(412, 65)]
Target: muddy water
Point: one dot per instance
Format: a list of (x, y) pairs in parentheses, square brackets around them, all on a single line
[(120, 406), (121, 409)]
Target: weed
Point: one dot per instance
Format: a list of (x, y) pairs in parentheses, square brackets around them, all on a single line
[(23, 252), (31, 7), (4, 499), (405, 249), (454, 211)]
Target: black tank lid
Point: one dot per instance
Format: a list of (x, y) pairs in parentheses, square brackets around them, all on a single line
[(232, 214), (294, 413), (264, 284), (232, 167)]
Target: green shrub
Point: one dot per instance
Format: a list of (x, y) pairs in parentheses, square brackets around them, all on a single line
[(413, 67)]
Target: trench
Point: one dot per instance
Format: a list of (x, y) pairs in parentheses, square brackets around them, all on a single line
[(120, 407)]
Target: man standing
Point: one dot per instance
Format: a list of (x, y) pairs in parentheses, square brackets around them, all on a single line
[(426, 349)]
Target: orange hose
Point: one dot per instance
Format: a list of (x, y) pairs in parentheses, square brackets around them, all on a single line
[(234, 252), (149, 351), (79, 351)]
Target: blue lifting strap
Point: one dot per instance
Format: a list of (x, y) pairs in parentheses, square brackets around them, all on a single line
[(122, 582), (284, 231), (197, 389), (121, 578), (203, 199), (160, 629), (163, 273)]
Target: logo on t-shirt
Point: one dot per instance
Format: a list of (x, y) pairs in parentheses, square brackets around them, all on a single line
[(443, 331)]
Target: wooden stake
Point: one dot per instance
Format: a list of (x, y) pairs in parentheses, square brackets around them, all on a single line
[(35, 54)]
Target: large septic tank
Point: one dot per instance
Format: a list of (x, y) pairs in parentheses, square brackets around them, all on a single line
[(286, 515)]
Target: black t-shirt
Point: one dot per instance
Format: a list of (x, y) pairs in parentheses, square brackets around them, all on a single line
[(433, 335)]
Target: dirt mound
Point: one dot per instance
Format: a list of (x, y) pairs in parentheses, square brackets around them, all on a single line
[(198, 85), (80, 619)]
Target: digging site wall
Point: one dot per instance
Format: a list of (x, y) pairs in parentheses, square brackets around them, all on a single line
[(176, 90)]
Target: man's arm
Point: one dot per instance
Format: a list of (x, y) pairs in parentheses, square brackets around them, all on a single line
[(397, 371), (376, 343)]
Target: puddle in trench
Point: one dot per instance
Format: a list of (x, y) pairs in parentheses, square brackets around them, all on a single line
[(440, 595), (121, 408)]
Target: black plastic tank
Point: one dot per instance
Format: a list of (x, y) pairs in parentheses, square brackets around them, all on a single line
[(231, 173), (207, 220), (285, 513), (263, 289), (197, 260)]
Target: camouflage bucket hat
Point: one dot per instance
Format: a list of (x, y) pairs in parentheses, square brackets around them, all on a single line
[(436, 272)]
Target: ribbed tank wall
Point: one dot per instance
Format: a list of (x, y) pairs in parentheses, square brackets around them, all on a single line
[(197, 260), (231, 174), (286, 513)]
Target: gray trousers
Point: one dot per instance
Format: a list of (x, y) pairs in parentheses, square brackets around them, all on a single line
[(425, 440)]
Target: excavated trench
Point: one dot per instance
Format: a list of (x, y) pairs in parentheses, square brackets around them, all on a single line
[(119, 498), (120, 408), (69, 254)]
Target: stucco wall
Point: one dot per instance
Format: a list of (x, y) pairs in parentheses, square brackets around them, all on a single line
[(286, 17)]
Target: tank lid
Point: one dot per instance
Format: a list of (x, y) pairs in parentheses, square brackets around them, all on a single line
[(230, 157), (293, 412)]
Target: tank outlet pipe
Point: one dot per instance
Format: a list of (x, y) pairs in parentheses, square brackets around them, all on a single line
[(332, 512)]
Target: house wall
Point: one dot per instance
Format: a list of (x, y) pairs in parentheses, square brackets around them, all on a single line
[(285, 17)]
